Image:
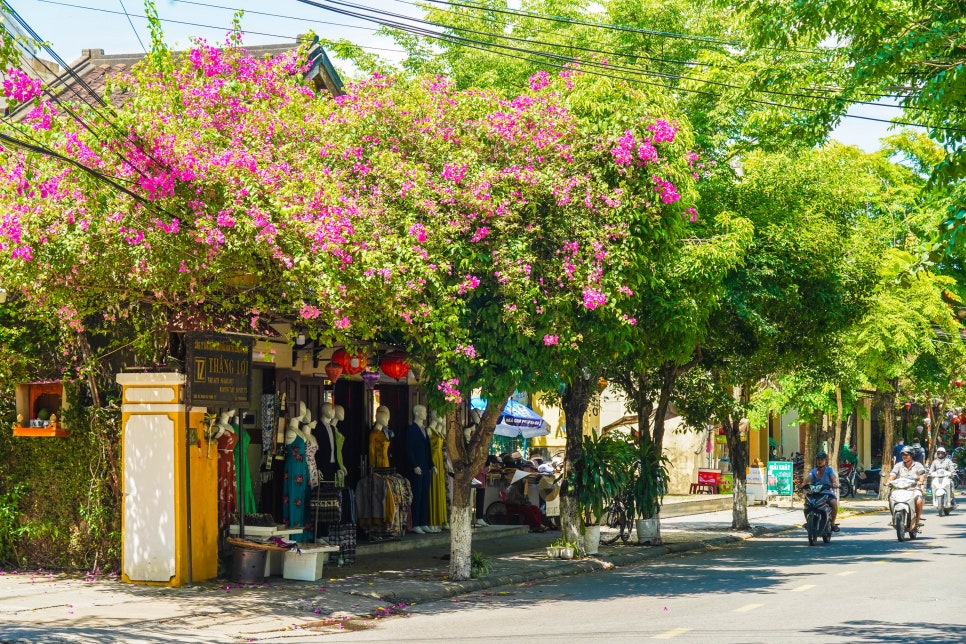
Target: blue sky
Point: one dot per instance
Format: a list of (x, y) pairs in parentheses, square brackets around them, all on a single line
[(73, 25)]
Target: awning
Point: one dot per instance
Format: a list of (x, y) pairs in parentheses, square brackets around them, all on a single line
[(517, 420)]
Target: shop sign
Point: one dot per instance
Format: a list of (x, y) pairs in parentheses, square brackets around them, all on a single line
[(780, 478), (219, 369)]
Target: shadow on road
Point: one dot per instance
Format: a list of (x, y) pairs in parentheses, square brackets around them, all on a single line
[(875, 631)]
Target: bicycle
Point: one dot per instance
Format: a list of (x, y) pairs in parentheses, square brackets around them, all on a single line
[(617, 521)]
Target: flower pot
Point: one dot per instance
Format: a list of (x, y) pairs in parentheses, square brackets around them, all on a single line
[(649, 531), (566, 553), (553, 551), (591, 539)]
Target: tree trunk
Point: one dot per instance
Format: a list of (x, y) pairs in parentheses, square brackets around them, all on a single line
[(738, 453), (460, 537), (467, 458), (811, 444), (833, 457), (887, 401), (574, 401)]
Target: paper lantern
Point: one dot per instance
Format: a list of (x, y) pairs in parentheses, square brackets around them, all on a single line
[(959, 383), (370, 378), (351, 364), (394, 365), (333, 370), (908, 405)]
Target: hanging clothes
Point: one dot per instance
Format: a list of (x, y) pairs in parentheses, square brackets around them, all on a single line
[(378, 449), (437, 490), (226, 478), (310, 451), (242, 473), (296, 488)]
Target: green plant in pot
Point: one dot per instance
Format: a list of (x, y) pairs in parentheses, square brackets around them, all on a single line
[(602, 473), (647, 487)]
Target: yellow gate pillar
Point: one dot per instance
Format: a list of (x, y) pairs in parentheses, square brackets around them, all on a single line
[(154, 508)]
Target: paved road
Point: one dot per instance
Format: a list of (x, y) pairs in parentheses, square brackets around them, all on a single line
[(863, 587)]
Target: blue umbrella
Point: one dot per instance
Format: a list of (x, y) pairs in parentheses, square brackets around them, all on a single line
[(517, 420)]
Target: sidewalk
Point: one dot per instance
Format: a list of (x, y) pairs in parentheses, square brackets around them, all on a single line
[(63, 608)]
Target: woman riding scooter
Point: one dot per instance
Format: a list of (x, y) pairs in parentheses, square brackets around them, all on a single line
[(909, 469), (822, 473)]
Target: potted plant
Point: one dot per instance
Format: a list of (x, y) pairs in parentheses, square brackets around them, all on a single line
[(562, 548), (601, 473), (647, 488)]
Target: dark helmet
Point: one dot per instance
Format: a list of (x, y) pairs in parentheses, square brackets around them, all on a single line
[(906, 450), (821, 455)]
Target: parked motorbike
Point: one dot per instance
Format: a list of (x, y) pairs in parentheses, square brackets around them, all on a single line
[(847, 480), (869, 480), (942, 491), (818, 512), (903, 505)]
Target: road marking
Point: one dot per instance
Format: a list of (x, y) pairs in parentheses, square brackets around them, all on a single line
[(845, 574), (802, 588), (933, 544), (748, 607), (881, 561), (672, 633)]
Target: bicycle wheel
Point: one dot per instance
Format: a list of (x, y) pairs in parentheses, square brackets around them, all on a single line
[(495, 513), (613, 523)]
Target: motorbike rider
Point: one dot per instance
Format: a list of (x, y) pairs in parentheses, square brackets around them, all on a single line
[(941, 461), (822, 473), (909, 469)]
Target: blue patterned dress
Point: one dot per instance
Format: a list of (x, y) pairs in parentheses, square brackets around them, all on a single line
[(296, 487)]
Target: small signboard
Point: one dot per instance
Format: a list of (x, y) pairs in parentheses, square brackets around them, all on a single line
[(780, 478), (220, 369)]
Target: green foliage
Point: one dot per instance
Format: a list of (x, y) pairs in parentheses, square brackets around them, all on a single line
[(60, 508), (479, 565), (649, 481), (603, 472)]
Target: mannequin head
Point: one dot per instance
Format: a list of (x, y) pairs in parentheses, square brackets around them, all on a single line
[(304, 412), (225, 417), (439, 426), (382, 416), (293, 424), (327, 412), (419, 415), (308, 427), (339, 412)]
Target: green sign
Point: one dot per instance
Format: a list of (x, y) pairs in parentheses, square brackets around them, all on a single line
[(780, 478)]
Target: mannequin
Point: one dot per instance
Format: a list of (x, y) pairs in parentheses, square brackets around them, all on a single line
[(226, 438), (243, 473), (437, 491), (339, 442), (311, 448), (296, 480), (325, 457), (420, 461), (379, 439)]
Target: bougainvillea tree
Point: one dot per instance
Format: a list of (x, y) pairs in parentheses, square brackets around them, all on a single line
[(477, 230)]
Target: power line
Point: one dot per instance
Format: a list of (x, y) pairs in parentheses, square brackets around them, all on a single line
[(219, 28), (629, 69), (487, 46), (136, 34)]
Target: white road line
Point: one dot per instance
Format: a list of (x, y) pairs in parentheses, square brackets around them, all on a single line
[(803, 588), (748, 607), (672, 633), (845, 573)]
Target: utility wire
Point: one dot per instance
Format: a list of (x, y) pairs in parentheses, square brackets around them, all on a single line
[(528, 41), (130, 22), (487, 46), (222, 29)]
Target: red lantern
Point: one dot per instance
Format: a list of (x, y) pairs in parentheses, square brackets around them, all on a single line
[(394, 365), (908, 405), (959, 383), (333, 370), (351, 365)]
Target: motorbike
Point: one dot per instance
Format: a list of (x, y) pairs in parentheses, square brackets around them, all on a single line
[(903, 506), (942, 491), (818, 512), (847, 481), (868, 480)]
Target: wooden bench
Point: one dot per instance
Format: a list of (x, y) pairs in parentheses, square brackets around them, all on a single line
[(704, 488)]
